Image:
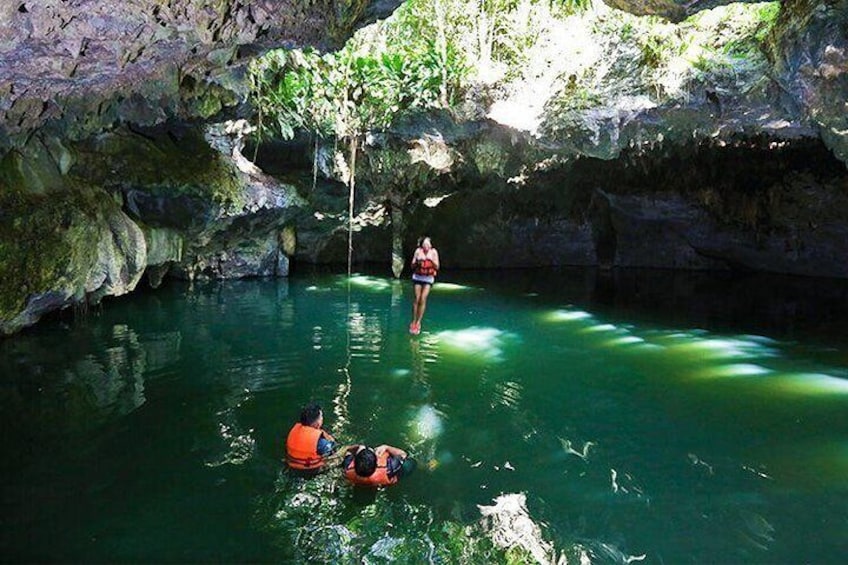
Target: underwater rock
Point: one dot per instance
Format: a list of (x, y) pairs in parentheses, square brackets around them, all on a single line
[(510, 526)]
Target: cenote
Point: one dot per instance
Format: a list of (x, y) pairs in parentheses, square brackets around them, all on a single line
[(611, 416)]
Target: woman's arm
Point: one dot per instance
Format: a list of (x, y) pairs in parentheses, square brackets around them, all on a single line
[(435, 259)]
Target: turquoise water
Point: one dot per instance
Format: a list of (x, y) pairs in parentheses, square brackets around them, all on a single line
[(646, 417)]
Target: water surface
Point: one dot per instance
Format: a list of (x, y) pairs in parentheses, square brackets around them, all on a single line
[(636, 416)]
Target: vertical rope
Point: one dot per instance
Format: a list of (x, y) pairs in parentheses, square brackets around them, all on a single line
[(315, 165), (340, 402), (351, 187)]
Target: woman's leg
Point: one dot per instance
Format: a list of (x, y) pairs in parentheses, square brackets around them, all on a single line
[(425, 292), (416, 300)]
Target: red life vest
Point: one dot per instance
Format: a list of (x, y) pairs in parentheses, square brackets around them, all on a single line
[(425, 267), (378, 478), (302, 447)]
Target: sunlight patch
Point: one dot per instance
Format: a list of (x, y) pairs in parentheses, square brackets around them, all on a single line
[(734, 370), (480, 342), (716, 348), (433, 201), (449, 287), (314, 288), (374, 283), (624, 340), (600, 328), (427, 423), (813, 383), (567, 315)]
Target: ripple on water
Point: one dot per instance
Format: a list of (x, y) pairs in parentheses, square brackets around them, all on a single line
[(268, 372)]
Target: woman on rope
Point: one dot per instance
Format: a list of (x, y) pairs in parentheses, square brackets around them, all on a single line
[(425, 267)]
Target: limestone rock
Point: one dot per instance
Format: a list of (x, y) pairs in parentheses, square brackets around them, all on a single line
[(810, 48), (79, 67)]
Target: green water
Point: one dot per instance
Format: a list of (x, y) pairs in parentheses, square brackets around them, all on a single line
[(648, 417)]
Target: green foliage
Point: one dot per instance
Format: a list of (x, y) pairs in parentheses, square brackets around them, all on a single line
[(767, 13), (572, 6), (421, 58), (362, 87), (654, 50)]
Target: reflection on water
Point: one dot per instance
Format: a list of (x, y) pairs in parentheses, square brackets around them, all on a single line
[(570, 416)]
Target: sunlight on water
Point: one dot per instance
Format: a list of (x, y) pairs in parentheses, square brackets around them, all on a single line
[(598, 328), (811, 384), (426, 423), (369, 282), (315, 288), (475, 342), (733, 370), (624, 340), (543, 433), (449, 287), (714, 348), (567, 315)]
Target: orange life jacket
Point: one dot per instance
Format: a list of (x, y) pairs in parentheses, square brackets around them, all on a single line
[(425, 267), (302, 447), (380, 476)]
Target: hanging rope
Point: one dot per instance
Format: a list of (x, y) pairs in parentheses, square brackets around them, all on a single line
[(340, 402), (315, 165), (351, 189)]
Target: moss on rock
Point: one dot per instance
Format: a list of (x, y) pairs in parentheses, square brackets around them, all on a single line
[(162, 162), (45, 244)]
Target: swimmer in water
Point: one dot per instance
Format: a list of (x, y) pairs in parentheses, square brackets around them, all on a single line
[(382, 466), (308, 443), (425, 267)]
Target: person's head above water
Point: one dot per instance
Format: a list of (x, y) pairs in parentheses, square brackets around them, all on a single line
[(365, 462), (312, 415)]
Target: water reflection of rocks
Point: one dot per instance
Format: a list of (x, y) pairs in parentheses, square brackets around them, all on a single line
[(104, 377)]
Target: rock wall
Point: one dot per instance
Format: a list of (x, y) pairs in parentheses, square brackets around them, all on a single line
[(759, 203), (810, 54), (80, 66), (160, 200), (105, 174)]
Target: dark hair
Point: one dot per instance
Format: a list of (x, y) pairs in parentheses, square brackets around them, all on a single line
[(422, 238), (310, 413), (365, 462)]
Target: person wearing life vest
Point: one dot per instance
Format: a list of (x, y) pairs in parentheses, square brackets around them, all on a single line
[(308, 444), (425, 267), (381, 466)]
